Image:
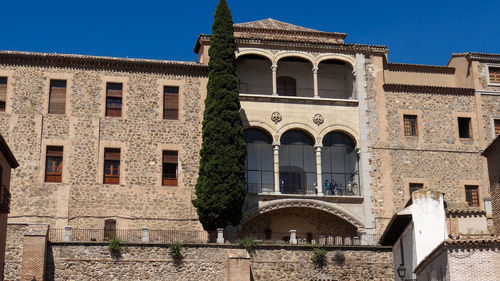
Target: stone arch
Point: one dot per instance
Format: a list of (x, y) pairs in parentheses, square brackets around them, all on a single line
[(261, 126), (331, 208), (339, 128), (340, 57), (298, 126), (253, 51), (284, 54)]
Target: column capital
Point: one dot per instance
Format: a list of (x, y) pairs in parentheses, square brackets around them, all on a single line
[(318, 148), (274, 67), (315, 70), (276, 145)]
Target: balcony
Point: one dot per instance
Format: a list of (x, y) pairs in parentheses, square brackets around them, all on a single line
[(4, 200)]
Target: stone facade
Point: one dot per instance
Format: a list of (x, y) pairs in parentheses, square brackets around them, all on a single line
[(81, 199), (203, 262)]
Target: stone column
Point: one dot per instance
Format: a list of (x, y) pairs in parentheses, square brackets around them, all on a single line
[(276, 150), (274, 68), (319, 182), (315, 80)]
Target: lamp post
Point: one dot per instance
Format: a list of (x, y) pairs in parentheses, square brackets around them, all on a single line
[(401, 271)]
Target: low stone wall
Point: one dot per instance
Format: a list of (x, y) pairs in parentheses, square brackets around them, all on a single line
[(84, 261), (14, 252)]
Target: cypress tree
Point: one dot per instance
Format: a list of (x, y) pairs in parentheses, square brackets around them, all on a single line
[(220, 190)]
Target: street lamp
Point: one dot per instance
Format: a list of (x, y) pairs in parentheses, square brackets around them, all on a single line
[(401, 271)]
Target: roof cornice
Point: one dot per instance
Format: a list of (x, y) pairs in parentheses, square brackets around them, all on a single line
[(204, 39), (405, 67), (321, 34), (484, 57), (405, 88), (106, 63)]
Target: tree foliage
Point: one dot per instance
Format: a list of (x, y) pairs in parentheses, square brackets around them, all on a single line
[(220, 190)]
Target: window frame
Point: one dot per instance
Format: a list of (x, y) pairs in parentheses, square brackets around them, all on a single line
[(488, 66), (111, 178), (113, 98), (413, 129), (169, 181), (494, 120), (56, 175), (54, 81), (165, 95), (474, 198), (3, 107), (469, 119)]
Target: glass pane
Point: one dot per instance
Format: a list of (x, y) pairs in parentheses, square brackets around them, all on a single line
[(267, 157), (351, 161), (254, 177), (338, 159), (326, 159), (49, 165), (309, 159), (253, 157), (284, 155), (296, 157)]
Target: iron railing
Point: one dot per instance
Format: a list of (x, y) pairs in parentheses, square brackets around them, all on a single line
[(260, 188), (4, 200), (310, 238), (268, 188)]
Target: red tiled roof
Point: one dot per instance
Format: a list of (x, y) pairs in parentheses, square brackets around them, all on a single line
[(427, 89), (273, 24)]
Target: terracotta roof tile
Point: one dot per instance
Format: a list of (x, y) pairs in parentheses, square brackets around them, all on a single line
[(274, 24)]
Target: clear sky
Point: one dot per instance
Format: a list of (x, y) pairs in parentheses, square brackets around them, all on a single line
[(422, 32)]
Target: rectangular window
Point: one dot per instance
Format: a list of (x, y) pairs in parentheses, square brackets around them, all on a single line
[(111, 166), (494, 74), (496, 123), (54, 164), (169, 168), (114, 99), (410, 125), (415, 186), (472, 195), (3, 92), (464, 127), (170, 103), (57, 96)]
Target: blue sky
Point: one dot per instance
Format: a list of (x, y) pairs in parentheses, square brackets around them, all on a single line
[(423, 32)]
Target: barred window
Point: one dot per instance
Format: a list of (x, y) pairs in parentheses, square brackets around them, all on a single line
[(170, 102), (410, 125)]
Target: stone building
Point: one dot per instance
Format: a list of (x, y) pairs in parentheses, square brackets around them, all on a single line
[(7, 163), (335, 133)]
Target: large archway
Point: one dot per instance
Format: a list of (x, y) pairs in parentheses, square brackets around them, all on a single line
[(254, 74)]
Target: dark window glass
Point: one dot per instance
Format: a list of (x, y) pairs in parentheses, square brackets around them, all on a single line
[(170, 102), (472, 195), (410, 125), (339, 165), (169, 168), (3, 92), (54, 164), (287, 86), (464, 127), (114, 92), (259, 161), (415, 186), (297, 163)]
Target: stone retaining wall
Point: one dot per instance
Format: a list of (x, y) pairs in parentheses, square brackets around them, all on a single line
[(73, 261)]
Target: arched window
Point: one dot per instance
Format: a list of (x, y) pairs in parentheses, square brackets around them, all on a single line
[(287, 86), (297, 163), (339, 165), (259, 161)]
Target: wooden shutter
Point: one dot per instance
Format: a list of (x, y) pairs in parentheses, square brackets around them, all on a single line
[(57, 96), (170, 156), (494, 74), (170, 102), (112, 154), (169, 174), (55, 157), (3, 92), (472, 195), (410, 125), (56, 151), (114, 90)]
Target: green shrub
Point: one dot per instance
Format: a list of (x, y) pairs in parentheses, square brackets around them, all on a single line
[(248, 243), (115, 245), (174, 251), (319, 257)]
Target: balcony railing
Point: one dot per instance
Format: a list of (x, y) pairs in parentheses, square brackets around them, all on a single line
[(255, 89), (4, 200), (207, 237), (268, 188)]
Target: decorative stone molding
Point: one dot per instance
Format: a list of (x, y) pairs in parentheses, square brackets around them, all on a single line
[(318, 119), (276, 117), (301, 203)]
